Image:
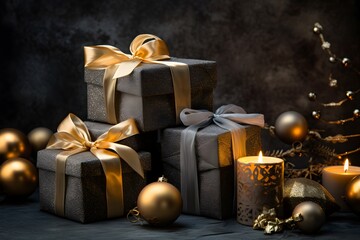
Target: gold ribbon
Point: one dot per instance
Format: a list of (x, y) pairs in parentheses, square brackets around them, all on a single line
[(145, 48), (73, 137)]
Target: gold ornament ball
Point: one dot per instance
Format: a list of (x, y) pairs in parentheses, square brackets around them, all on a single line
[(352, 195), (159, 203), (39, 137), (291, 127), (13, 144), (313, 217), (18, 177)]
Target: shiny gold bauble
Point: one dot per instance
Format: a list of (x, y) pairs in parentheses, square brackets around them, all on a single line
[(298, 190), (18, 177), (352, 195), (291, 127), (39, 137), (13, 144), (159, 203), (313, 217)]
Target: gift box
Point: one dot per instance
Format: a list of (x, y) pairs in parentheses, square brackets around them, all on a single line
[(85, 194), (147, 94), (215, 162)]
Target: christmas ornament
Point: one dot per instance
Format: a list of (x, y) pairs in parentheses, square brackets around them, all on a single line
[(356, 113), (352, 195), (346, 62), (332, 82), (39, 137), (350, 95), (298, 190), (159, 204), (13, 144), (312, 96), (291, 127), (316, 114), (313, 217), (18, 177), (332, 59)]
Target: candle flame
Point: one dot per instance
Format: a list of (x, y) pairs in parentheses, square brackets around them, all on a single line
[(260, 158), (346, 165)]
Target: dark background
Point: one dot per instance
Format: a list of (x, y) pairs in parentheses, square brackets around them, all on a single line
[(268, 58)]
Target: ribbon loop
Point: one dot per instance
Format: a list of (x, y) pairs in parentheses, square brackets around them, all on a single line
[(73, 137), (146, 48), (228, 117)]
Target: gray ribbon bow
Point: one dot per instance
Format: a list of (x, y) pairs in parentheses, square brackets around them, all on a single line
[(227, 117)]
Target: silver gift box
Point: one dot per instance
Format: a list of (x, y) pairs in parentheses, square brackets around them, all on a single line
[(215, 165)]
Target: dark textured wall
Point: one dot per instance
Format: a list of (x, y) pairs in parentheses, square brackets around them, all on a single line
[(268, 58)]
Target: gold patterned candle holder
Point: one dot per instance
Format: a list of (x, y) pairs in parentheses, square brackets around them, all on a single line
[(260, 184)]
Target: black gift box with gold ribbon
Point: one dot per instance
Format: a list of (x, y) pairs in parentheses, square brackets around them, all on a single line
[(90, 172), (147, 94), (85, 194)]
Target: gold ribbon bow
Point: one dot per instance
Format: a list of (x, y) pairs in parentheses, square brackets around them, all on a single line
[(144, 48), (73, 137)]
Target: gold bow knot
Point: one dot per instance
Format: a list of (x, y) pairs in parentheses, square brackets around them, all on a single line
[(146, 48), (73, 137)]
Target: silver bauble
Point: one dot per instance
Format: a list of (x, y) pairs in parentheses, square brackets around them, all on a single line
[(313, 217), (291, 127)]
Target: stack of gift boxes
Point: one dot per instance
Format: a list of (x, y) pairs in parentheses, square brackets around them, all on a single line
[(146, 95)]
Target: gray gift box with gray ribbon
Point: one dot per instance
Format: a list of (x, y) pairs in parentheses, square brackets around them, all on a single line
[(147, 93), (85, 196), (215, 165)]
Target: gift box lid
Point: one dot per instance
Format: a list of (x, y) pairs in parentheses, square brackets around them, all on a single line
[(155, 79), (213, 146), (84, 164)]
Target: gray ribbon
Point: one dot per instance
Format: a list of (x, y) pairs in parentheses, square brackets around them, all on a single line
[(228, 117)]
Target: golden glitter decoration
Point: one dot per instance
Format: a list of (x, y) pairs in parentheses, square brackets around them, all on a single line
[(298, 190)]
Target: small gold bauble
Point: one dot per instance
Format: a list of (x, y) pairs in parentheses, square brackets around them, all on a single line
[(13, 144), (291, 127), (39, 137), (350, 95), (159, 203), (316, 115), (356, 113), (352, 195), (313, 217), (312, 96), (18, 177)]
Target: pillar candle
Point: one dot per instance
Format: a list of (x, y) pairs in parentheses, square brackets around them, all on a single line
[(335, 179), (260, 183)]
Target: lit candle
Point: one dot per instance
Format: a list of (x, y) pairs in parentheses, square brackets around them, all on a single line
[(260, 183), (335, 179)]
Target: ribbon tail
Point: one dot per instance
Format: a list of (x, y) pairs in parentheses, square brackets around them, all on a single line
[(238, 144), (109, 92), (189, 169), (111, 165), (60, 180), (129, 155), (112, 73), (182, 87)]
